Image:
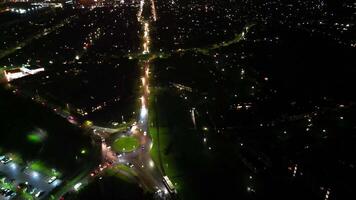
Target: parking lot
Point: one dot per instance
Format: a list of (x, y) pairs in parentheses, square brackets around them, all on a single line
[(16, 179)]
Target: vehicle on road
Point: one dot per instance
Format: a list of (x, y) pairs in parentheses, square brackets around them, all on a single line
[(167, 182), (39, 194), (6, 160), (33, 191), (130, 165), (52, 179)]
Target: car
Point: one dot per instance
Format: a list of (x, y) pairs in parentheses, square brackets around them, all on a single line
[(130, 165), (52, 179), (39, 194), (12, 195), (6, 160), (8, 193), (30, 187), (2, 190), (32, 191)]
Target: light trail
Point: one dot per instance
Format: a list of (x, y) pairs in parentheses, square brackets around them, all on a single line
[(153, 8), (145, 62), (146, 38), (193, 117), (147, 72), (139, 15)]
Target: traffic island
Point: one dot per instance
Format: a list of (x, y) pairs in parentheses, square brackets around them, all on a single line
[(125, 144)]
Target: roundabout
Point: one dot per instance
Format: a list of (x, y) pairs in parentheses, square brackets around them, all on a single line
[(125, 144)]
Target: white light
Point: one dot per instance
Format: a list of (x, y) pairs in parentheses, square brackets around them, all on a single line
[(35, 174), (143, 112), (151, 164), (56, 183), (142, 101), (13, 166), (133, 128), (165, 191)]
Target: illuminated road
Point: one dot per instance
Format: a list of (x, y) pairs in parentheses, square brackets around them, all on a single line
[(148, 174)]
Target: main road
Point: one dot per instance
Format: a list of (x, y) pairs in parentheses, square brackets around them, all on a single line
[(148, 174)]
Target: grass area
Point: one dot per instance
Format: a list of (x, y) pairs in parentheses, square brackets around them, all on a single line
[(111, 187), (6, 185), (123, 167), (177, 147), (33, 137), (167, 161), (125, 144), (162, 141), (123, 172), (42, 168)]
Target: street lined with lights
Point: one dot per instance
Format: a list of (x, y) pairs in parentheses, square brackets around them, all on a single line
[(139, 160)]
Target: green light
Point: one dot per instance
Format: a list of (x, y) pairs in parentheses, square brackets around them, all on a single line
[(35, 138), (83, 151)]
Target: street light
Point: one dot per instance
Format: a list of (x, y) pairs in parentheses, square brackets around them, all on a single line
[(151, 164), (143, 112), (13, 166), (35, 174)]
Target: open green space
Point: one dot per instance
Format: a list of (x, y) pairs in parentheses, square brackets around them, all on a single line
[(33, 137), (123, 172), (190, 156), (36, 136), (175, 147), (42, 168), (125, 144)]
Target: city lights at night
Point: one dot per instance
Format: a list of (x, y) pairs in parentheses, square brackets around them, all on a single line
[(177, 99)]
